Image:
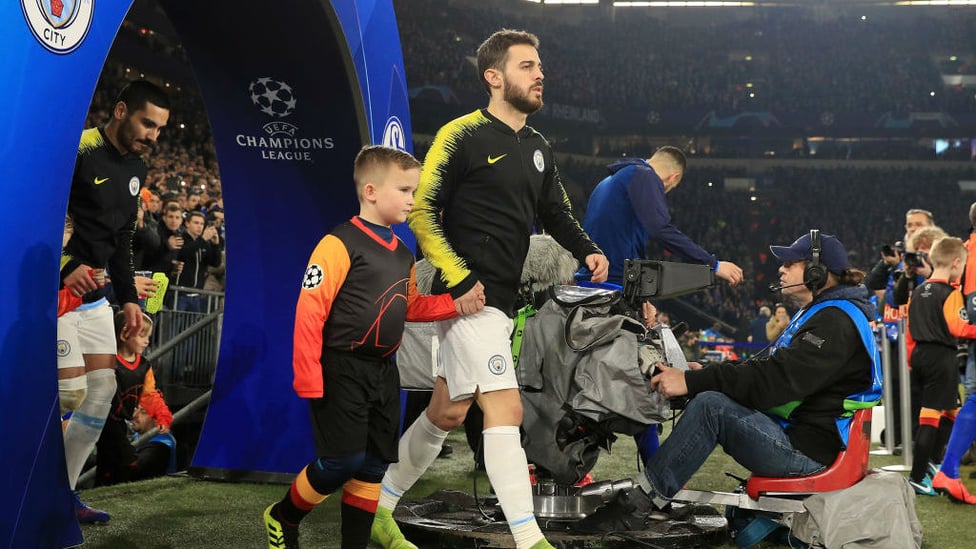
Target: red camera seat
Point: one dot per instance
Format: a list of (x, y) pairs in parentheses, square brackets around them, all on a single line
[(847, 470)]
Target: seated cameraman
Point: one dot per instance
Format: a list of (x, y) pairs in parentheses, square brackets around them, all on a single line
[(784, 414)]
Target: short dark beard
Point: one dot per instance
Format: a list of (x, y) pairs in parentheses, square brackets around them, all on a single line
[(521, 102), (126, 137)]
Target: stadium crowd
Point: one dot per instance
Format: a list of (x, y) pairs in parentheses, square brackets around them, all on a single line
[(783, 61)]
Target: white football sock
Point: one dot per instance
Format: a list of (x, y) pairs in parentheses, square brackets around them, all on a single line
[(419, 447), (508, 472), (87, 421)]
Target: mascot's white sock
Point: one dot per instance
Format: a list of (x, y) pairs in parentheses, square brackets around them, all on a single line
[(87, 421), (508, 472), (419, 447)]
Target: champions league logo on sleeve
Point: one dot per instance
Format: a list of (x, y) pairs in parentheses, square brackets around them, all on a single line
[(277, 99), (313, 277), (59, 25)]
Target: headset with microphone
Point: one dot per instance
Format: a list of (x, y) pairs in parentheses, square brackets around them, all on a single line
[(777, 287), (815, 273)]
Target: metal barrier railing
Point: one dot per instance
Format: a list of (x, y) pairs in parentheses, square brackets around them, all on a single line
[(213, 300), (189, 355), (905, 403)]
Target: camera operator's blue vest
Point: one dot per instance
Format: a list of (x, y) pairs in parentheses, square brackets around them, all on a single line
[(865, 399)]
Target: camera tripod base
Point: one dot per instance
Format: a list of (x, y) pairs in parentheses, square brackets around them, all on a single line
[(452, 519)]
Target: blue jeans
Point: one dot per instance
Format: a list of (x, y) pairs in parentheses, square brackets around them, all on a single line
[(192, 303), (751, 437)]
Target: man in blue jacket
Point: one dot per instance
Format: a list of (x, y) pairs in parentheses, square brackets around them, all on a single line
[(628, 208)]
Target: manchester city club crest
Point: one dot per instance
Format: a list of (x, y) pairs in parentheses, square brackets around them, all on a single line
[(539, 161), (63, 348), (496, 365), (134, 186), (59, 25)]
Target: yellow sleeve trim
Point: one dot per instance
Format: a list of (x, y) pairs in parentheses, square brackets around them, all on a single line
[(425, 219), (91, 139)]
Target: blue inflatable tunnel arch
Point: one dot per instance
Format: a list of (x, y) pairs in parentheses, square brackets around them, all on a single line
[(287, 179)]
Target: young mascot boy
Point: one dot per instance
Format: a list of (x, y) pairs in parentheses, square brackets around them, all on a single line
[(357, 291), (935, 323)]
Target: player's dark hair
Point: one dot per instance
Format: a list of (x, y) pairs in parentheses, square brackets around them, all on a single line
[(676, 154), (137, 93), (493, 52)]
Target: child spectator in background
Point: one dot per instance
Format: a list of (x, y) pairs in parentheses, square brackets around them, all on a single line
[(935, 323), (358, 289), (157, 457), (136, 387)]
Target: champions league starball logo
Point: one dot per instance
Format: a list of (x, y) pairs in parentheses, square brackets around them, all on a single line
[(276, 99), (273, 97), (59, 25), (313, 277)]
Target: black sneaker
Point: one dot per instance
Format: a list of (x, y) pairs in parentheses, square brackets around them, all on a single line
[(446, 450), (630, 510)]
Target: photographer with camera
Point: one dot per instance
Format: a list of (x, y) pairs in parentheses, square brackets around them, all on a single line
[(877, 278), (882, 281), (884, 274)]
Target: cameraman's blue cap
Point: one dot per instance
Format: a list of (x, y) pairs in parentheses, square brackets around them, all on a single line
[(832, 252)]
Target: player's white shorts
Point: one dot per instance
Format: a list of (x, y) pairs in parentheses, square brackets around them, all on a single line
[(87, 330), (475, 353)]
